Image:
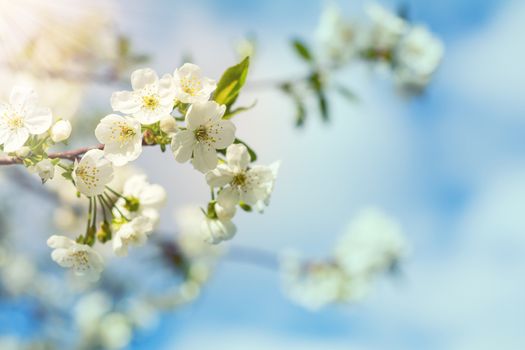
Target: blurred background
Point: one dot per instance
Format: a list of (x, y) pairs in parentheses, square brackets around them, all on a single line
[(449, 165)]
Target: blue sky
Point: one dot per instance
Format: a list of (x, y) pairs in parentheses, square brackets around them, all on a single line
[(449, 165)]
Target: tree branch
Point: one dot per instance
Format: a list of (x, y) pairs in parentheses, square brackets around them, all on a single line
[(69, 155)]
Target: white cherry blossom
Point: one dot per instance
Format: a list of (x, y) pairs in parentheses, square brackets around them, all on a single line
[(81, 258), (151, 98), (206, 132), (251, 185), (143, 199), (122, 138), (92, 173), (60, 131), (45, 169), (418, 56), (191, 86), (216, 230), (134, 233), (387, 28), (22, 117), (372, 243), (336, 35)]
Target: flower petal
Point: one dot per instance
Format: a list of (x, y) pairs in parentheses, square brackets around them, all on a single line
[(228, 197), (143, 77), (16, 140), (182, 145), (39, 120), (125, 102), (203, 113), (204, 158), (220, 176), (223, 132), (237, 156)]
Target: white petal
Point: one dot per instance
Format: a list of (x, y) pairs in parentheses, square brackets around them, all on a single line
[(237, 156), (16, 140), (220, 176), (203, 113), (182, 145), (223, 132), (204, 158), (23, 97), (39, 120), (143, 77), (125, 102), (228, 197), (56, 241)]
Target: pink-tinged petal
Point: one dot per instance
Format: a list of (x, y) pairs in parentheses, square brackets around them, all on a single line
[(143, 77), (223, 133), (204, 158), (125, 102), (182, 145), (237, 156), (39, 120), (16, 140), (23, 97)]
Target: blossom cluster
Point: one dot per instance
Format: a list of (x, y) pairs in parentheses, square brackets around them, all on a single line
[(184, 111), (373, 244), (410, 50)]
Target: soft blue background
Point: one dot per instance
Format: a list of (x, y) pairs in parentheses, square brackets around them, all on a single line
[(449, 165)]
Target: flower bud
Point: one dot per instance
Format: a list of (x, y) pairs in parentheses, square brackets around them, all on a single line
[(61, 131), (23, 152), (168, 125), (45, 169)]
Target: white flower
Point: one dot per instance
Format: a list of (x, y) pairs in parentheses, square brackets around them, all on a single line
[(336, 36), (168, 125), (217, 230), (189, 220), (92, 173), (45, 169), (122, 138), (372, 243), (191, 86), (151, 98), (134, 233), (387, 28), (206, 132), (61, 131), (22, 117), (418, 56), (314, 285), (241, 183), (144, 199), (81, 258)]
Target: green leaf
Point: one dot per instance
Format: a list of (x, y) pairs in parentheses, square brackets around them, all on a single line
[(323, 106), (300, 115), (252, 153), (232, 113), (347, 93), (231, 83), (302, 50)]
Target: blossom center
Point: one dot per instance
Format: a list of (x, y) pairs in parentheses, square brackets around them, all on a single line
[(80, 260), (240, 180), (15, 121), (190, 85), (88, 175), (150, 102), (201, 134)]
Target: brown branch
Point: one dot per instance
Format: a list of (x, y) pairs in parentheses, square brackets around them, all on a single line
[(69, 155)]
